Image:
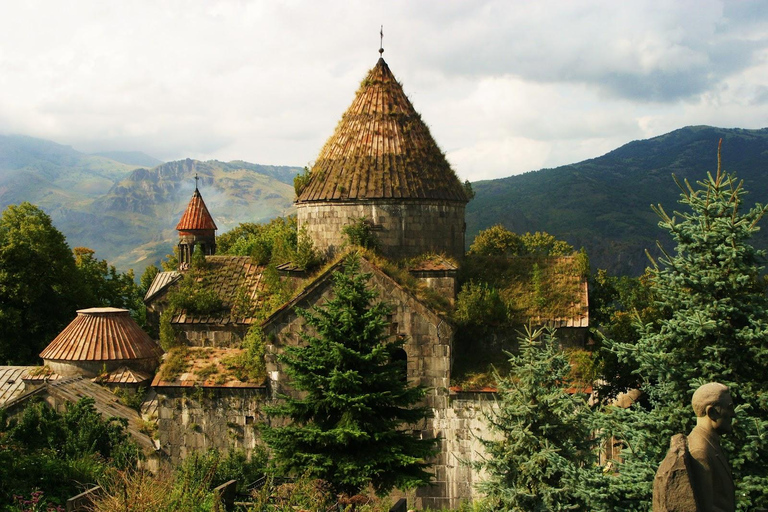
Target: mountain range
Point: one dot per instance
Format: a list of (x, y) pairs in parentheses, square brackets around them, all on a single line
[(126, 212), (604, 204), (125, 205)]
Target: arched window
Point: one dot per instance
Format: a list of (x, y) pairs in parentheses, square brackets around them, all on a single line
[(398, 356)]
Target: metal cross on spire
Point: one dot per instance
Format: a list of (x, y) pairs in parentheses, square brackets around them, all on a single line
[(196, 178), (381, 41)]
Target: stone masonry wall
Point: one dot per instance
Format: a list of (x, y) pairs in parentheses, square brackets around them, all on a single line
[(207, 335), (428, 344), (459, 426), (195, 419), (404, 229)]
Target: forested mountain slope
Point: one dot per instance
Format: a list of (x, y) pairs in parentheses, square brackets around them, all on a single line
[(603, 204)]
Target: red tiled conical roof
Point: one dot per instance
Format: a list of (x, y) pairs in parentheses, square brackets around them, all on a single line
[(196, 216), (101, 334), (381, 149)]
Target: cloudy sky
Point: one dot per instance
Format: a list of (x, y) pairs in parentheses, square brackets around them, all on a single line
[(506, 86)]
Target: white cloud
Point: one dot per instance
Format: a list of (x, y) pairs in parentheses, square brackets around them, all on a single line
[(506, 87)]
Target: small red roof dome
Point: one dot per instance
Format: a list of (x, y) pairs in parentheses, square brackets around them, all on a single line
[(196, 217)]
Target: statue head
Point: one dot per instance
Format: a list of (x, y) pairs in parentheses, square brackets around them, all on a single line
[(713, 406)]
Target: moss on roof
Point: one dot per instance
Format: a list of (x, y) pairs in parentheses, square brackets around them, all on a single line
[(381, 149)]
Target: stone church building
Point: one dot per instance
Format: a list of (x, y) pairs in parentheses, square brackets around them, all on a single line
[(382, 168)]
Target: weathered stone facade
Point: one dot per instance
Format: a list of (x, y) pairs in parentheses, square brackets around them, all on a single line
[(457, 418), (429, 337), (211, 335), (195, 419), (460, 426), (404, 229)]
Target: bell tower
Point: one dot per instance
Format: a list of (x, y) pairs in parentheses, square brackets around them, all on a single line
[(196, 227)]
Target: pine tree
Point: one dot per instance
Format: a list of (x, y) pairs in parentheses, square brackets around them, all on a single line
[(351, 424), (541, 456), (714, 327)]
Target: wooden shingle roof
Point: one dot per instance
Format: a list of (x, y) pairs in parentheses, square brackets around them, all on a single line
[(381, 149), (102, 334), (196, 217)]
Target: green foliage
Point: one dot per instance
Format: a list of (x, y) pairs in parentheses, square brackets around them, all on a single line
[(542, 458), (306, 255), (360, 233), (541, 243), (468, 190), (713, 327), (147, 277), (105, 286), (250, 366), (301, 180), (39, 285), (212, 468), (198, 259), (273, 242), (347, 427), (499, 241), (496, 241), (171, 261), (175, 363), (168, 335), (60, 452), (619, 305), (479, 305), (194, 293), (276, 242)]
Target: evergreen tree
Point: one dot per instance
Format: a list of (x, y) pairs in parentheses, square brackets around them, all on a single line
[(541, 457), (350, 425), (713, 327)]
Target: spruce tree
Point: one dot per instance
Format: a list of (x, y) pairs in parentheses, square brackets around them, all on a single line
[(350, 425), (714, 327), (541, 457)]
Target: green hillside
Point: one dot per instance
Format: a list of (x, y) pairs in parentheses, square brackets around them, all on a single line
[(128, 214), (133, 224), (51, 175), (603, 204)]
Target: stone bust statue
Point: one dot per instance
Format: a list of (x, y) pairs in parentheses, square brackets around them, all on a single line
[(712, 479), (695, 475)]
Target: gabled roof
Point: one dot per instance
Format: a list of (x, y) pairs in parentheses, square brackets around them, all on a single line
[(160, 283), (104, 401), (102, 334), (381, 149), (324, 279), (196, 217), (11, 381), (123, 375), (227, 276)]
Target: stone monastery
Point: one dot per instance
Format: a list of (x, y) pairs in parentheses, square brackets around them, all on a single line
[(382, 165)]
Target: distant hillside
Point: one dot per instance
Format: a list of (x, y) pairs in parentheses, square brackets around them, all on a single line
[(128, 214), (136, 158), (603, 204), (51, 175)]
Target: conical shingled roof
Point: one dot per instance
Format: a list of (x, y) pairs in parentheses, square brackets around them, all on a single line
[(381, 149), (101, 334), (196, 216)]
